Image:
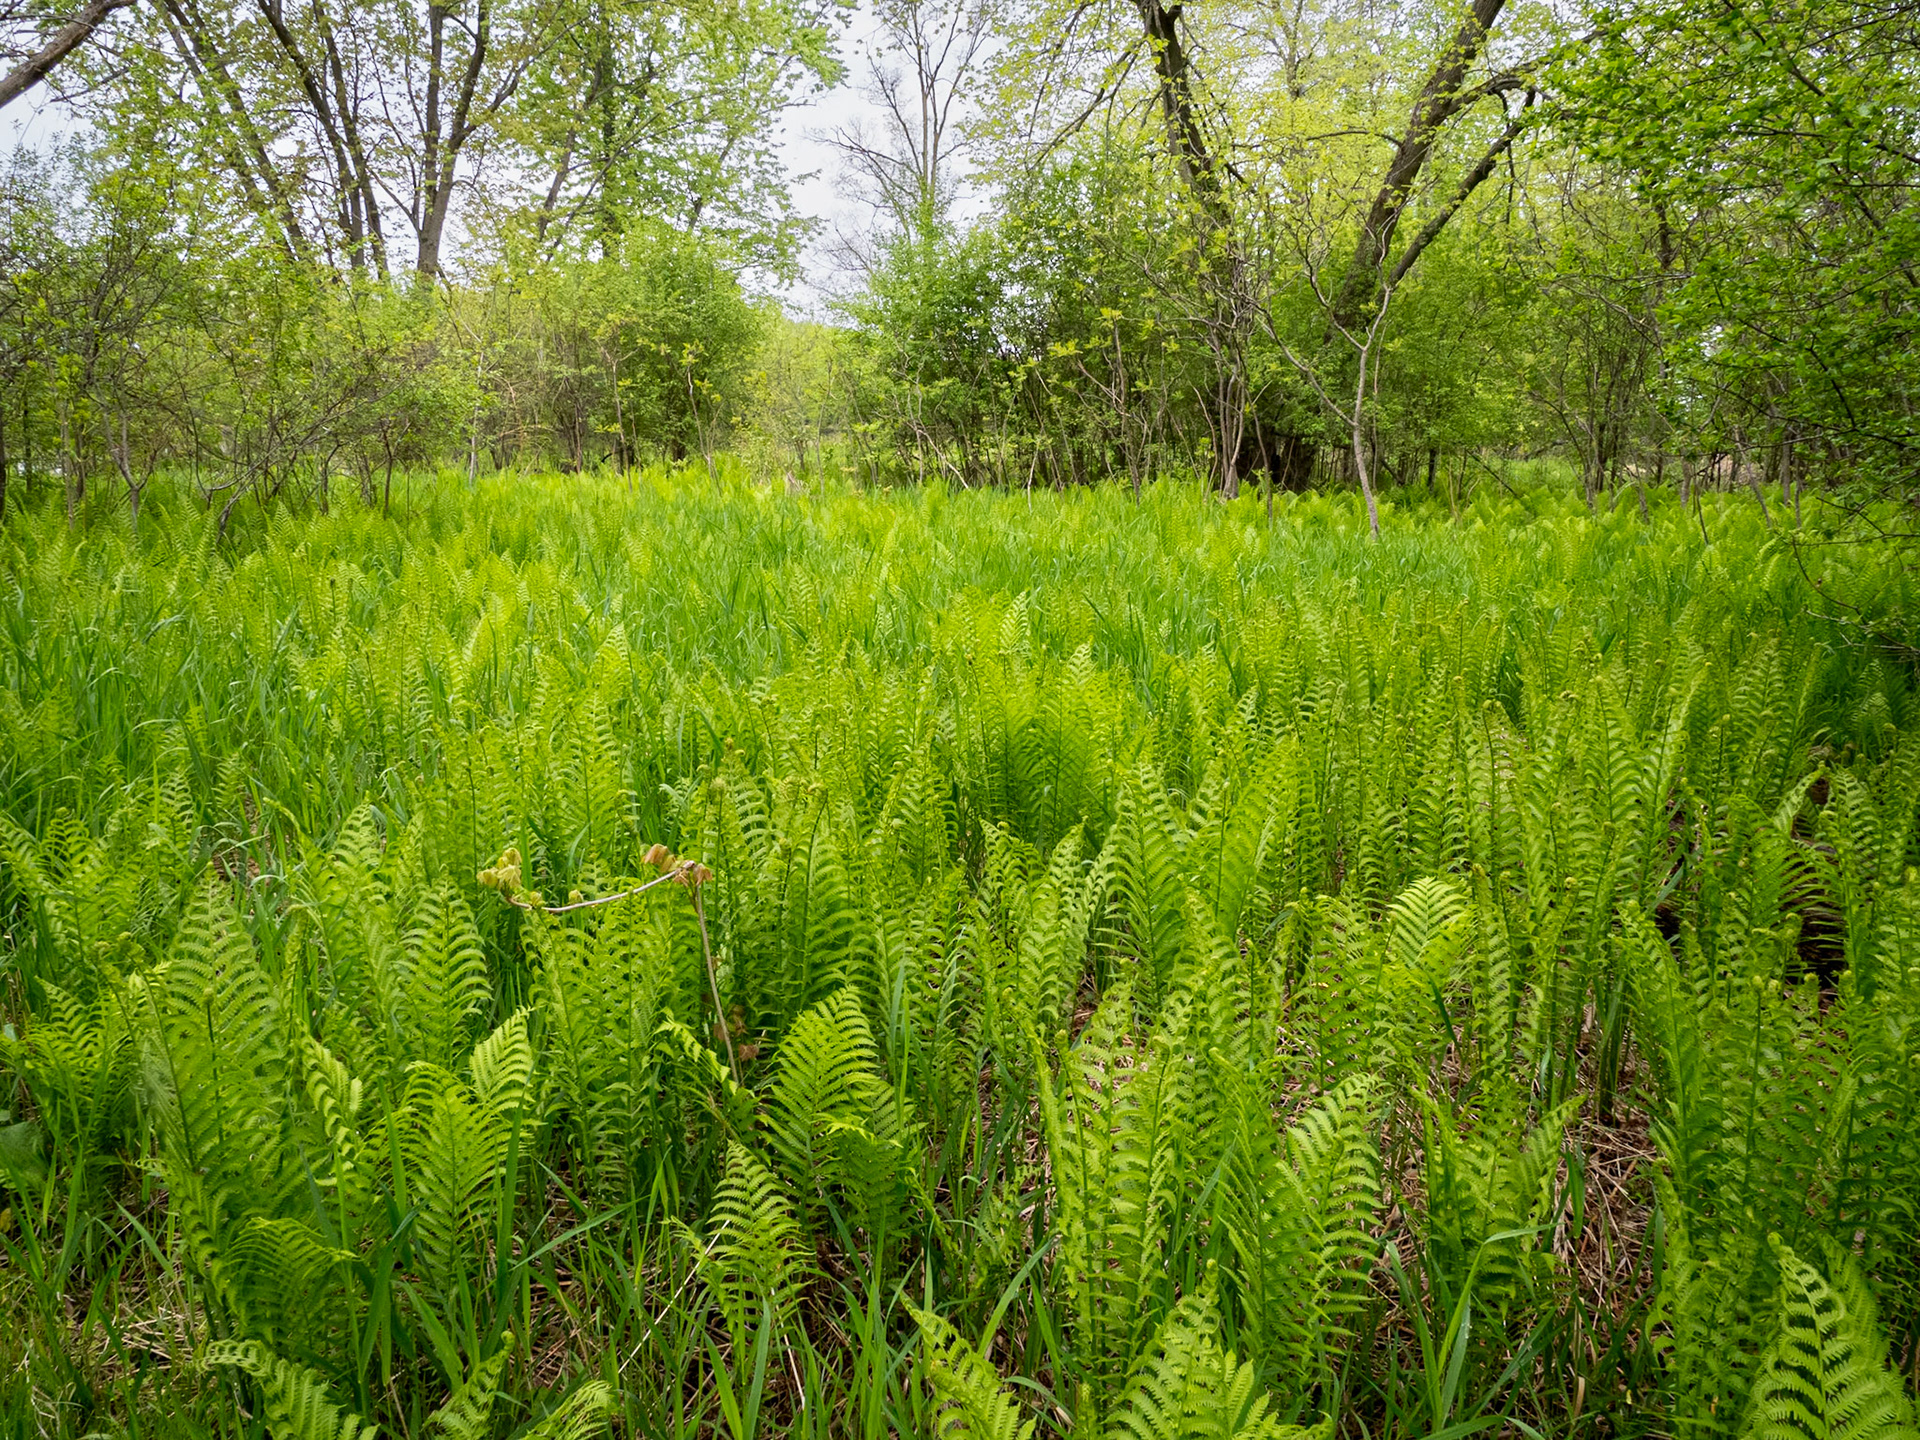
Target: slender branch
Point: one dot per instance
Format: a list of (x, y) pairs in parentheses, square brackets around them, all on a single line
[(70, 37), (713, 983), (1462, 192), (691, 874), (678, 872)]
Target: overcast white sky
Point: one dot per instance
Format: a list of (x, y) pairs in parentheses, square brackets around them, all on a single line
[(25, 119), (804, 131), (825, 193)]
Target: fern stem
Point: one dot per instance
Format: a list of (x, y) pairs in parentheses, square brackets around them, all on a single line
[(713, 981)]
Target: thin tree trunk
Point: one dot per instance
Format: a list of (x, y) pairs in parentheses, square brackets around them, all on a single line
[(1789, 479), (603, 100), (1224, 285), (442, 147), (70, 463), (427, 253), (123, 459), (619, 415), (473, 448), (348, 170), (1742, 469), (1360, 449), (1184, 137), (247, 157), (550, 202)]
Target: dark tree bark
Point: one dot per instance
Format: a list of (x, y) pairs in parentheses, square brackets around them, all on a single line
[(603, 100), (1445, 95), (1224, 279), (68, 38), (444, 136), (334, 108), (1184, 136), (1357, 311)]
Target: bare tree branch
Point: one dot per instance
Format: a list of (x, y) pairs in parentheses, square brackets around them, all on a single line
[(68, 38)]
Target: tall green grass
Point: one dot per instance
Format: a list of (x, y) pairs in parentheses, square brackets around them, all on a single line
[(1163, 972)]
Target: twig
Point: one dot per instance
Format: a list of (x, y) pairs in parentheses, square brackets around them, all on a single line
[(693, 875), (678, 872)]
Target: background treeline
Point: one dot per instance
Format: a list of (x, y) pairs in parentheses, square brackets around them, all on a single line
[(298, 248), (128, 356)]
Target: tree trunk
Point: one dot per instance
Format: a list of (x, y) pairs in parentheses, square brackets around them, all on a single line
[(73, 476), (68, 38), (444, 137), (1360, 449), (355, 198), (1184, 137), (619, 412), (260, 182), (1441, 98), (1742, 469), (1225, 281), (603, 99), (427, 251)]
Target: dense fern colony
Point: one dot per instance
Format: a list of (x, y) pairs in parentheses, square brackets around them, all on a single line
[(1161, 974)]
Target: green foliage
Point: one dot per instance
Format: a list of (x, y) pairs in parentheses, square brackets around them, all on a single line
[(297, 1404), (1189, 1387), (969, 1403), (1772, 145), (1825, 1374), (1159, 974), (752, 1263)]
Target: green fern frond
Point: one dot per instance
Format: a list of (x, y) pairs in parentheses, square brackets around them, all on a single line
[(468, 1412), (298, 1406), (1299, 1215), (1234, 823), (457, 1139), (502, 1067), (968, 1399), (581, 1416), (753, 1261), (216, 1060), (1188, 1388), (1335, 1151), (1425, 927), (447, 983), (337, 1098), (1825, 1375), (1142, 859), (831, 1118)]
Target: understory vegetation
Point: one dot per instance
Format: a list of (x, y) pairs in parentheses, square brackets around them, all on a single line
[(1110, 968)]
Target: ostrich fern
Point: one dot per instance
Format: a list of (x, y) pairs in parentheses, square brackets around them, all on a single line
[(1131, 929)]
